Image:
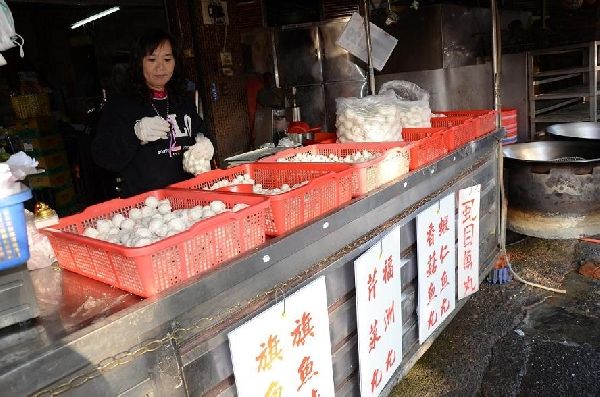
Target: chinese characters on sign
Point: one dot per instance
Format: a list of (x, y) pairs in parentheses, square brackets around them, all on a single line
[(285, 350), (468, 241), (379, 314), (436, 261)]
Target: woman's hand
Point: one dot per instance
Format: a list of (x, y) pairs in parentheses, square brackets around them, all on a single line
[(150, 129)]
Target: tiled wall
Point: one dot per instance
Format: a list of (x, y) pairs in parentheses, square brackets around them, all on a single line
[(227, 111)]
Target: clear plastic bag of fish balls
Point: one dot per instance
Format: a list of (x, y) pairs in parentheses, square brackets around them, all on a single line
[(413, 103), (374, 118)]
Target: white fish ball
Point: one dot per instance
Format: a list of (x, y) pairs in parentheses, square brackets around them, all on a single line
[(117, 219), (147, 211), (196, 214), (124, 237), (103, 226), (239, 207), (162, 231), (91, 232), (164, 208), (143, 232), (151, 202), (217, 206), (141, 242), (176, 225), (127, 224), (135, 213), (155, 224), (208, 213)]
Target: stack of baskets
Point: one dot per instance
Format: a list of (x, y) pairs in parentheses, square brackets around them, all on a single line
[(509, 122), (17, 296), (31, 105), (14, 248)]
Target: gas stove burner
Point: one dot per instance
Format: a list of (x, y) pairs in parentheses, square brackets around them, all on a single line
[(568, 159), (553, 188)]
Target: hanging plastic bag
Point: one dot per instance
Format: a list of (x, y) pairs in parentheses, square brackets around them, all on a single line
[(374, 118), (8, 36), (413, 103)]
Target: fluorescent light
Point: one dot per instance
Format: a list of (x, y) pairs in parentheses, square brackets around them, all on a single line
[(94, 17)]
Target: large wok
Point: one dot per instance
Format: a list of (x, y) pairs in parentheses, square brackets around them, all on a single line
[(554, 151), (581, 130)]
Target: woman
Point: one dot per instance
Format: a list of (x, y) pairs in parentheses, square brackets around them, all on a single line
[(143, 134)]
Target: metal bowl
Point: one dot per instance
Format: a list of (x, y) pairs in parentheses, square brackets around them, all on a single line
[(554, 151), (301, 138), (582, 130)]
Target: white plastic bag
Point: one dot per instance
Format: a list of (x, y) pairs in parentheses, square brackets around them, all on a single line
[(8, 36), (41, 253), (412, 101), (374, 118)]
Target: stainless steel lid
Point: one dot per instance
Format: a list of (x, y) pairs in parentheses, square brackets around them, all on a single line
[(581, 130)]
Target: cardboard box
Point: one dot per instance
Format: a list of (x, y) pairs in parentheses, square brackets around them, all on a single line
[(43, 125), (50, 178), (41, 145), (64, 195), (51, 160)]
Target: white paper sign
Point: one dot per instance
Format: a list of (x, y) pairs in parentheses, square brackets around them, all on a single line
[(354, 40), (286, 353), (379, 313), (468, 241), (436, 265)]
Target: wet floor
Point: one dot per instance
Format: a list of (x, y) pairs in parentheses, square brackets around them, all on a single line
[(515, 340)]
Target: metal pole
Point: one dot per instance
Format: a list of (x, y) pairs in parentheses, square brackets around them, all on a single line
[(369, 49), (496, 61), (496, 71)]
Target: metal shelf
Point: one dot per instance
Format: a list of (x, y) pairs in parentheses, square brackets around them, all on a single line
[(558, 72), (565, 104), (564, 49), (579, 91), (570, 114)]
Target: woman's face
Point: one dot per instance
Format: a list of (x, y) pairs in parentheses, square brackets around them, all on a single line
[(158, 66)]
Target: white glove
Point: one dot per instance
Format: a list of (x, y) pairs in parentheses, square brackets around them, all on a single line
[(150, 129)]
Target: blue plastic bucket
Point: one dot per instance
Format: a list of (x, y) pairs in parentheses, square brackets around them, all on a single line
[(14, 248)]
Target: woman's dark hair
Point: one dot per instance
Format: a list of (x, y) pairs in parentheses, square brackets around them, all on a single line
[(145, 45)]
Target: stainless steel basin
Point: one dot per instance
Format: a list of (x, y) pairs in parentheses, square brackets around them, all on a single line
[(582, 130)]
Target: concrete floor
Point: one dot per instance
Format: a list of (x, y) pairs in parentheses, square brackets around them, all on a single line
[(515, 340)]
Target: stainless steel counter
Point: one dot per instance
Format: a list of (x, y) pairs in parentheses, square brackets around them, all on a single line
[(91, 339)]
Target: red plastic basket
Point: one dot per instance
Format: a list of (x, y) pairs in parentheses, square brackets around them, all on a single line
[(392, 162), (485, 119), (428, 145), (460, 130), (147, 270), (329, 186)]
